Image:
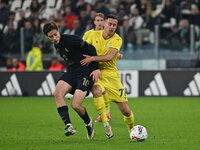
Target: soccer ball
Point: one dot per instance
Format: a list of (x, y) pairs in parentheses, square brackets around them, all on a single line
[(138, 133)]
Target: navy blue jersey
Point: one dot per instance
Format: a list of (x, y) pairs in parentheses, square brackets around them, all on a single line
[(71, 49)]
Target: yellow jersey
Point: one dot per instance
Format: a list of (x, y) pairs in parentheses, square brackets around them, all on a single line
[(87, 34), (102, 47), (34, 60)]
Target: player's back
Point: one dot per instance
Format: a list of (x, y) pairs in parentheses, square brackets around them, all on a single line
[(71, 49)]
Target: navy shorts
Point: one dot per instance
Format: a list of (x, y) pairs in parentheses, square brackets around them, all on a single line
[(81, 81)]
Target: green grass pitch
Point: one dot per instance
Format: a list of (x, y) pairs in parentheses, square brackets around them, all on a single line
[(34, 124)]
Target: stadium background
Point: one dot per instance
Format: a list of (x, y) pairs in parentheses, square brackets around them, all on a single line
[(157, 35), (150, 41), (160, 72)]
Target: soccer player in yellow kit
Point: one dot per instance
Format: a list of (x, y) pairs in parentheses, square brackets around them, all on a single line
[(101, 100), (108, 44), (99, 23)]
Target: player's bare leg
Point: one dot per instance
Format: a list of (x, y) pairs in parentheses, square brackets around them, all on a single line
[(62, 88), (128, 114), (81, 110)]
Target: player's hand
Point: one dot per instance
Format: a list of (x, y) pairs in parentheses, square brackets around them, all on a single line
[(86, 61), (96, 74), (120, 56)]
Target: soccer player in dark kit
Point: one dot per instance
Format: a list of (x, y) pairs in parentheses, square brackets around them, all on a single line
[(77, 79)]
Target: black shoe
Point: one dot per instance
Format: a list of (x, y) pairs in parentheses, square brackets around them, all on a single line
[(90, 129)]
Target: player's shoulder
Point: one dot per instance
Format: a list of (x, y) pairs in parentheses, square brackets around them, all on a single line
[(87, 34), (116, 37), (68, 36), (91, 34), (92, 31), (89, 31), (97, 33), (69, 39)]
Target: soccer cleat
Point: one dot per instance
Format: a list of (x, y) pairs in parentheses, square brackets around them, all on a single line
[(69, 130), (99, 118), (90, 129), (108, 131)]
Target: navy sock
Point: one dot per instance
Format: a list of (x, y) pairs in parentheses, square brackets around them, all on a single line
[(85, 117), (63, 112)]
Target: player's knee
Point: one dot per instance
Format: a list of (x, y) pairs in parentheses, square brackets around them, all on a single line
[(126, 112), (55, 94), (75, 106), (96, 91)]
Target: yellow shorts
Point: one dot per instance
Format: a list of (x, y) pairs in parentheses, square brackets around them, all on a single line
[(111, 82)]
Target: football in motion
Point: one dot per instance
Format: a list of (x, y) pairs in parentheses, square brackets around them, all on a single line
[(138, 133)]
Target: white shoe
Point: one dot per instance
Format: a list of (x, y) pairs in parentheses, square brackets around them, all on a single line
[(108, 131), (69, 130)]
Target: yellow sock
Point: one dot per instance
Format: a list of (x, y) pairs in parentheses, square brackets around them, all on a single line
[(107, 102), (100, 107), (129, 121)]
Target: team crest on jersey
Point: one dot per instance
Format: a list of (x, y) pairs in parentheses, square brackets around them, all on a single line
[(66, 50), (108, 44)]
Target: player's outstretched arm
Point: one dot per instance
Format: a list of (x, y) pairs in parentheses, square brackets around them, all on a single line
[(108, 57)]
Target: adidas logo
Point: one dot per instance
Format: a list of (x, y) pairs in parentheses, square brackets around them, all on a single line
[(12, 87), (47, 86), (193, 87), (156, 87)]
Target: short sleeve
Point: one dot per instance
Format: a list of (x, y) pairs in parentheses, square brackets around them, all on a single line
[(116, 43)]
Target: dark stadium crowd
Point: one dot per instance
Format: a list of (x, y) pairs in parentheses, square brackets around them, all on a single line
[(21, 21)]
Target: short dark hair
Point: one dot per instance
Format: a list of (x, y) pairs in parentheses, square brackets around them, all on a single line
[(48, 27), (112, 16)]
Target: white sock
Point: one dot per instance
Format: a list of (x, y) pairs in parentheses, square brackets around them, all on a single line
[(106, 124), (107, 111)]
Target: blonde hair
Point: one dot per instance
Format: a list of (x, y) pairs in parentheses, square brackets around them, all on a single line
[(100, 15)]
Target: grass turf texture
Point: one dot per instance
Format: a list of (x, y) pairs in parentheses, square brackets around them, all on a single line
[(34, 124)]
